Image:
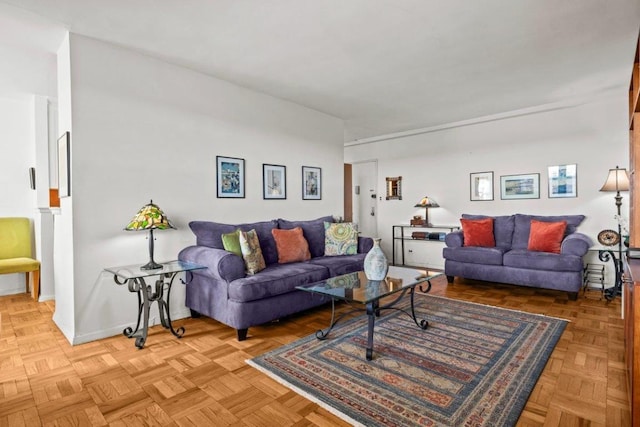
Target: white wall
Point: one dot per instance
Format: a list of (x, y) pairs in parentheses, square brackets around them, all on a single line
[(17, 155), (63, 258), (438, 164), (144, 129)]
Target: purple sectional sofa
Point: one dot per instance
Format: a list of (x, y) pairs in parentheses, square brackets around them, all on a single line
[(510, 261), (225, 293)]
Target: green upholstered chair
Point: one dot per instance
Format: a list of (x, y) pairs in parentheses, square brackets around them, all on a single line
[(15, 252)]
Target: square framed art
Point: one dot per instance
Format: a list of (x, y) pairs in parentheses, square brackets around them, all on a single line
[(311, 183), (526, 186), (274, 181), (563, 181), (229, 177), (481, 186)]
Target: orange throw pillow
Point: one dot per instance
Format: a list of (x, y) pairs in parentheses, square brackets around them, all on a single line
[(546, 236), (291, 245), (478, 232)]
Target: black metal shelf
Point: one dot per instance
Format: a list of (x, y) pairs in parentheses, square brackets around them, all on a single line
[(402, 237)]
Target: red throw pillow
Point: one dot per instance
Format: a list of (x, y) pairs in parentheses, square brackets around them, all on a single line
[(478, 232), (291, 245), (546, 236)]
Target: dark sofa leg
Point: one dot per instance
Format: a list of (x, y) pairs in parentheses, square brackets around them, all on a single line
[(450, 279), (194, 314), (242, 334), (573, 296)]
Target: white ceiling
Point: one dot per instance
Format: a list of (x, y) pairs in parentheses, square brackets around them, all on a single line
[(383, 66)]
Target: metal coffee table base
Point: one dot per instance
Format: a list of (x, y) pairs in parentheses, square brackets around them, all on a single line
[(373, 309)]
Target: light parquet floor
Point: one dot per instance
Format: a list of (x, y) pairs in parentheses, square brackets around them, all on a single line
[(202, 380)]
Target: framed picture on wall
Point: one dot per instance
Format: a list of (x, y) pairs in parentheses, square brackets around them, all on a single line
[(230, 177), (481, 186), (64, 172), (311, 183), (563, 181), (520, 186), (274, 181)]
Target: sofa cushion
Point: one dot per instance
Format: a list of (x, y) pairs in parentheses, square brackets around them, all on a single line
[(340, 238), (231, 242), (251, 252), (522, 258), (474, 255), (502, 228), (478, 232), (275, 280), (523, 225), (546, 236), (210, 234), (338, 265), (364, 244), (291, 245), (313, 231)]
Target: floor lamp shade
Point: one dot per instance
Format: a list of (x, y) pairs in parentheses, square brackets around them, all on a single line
[(150, 217), (617, 180)]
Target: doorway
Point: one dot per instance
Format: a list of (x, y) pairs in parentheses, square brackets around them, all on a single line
[(365, 197)]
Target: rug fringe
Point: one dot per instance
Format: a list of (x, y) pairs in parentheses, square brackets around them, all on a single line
[(501, 308), (304, 394)]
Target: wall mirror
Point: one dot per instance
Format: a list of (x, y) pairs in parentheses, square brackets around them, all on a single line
[(394, 188)]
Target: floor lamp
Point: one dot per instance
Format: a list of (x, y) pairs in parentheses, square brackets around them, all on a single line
[(617, 180)]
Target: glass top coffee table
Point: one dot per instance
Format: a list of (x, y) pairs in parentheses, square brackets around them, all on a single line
[(364, 294)]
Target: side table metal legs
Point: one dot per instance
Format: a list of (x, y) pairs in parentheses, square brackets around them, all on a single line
[(147, 294)]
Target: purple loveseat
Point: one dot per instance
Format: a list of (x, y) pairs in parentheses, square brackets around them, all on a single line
[(225, 293), (511, 262)]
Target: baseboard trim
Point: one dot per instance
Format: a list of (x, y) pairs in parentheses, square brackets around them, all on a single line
[(117, 330)]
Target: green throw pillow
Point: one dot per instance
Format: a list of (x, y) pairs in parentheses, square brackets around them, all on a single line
[(251, 252), (231, 242), (340, 238)]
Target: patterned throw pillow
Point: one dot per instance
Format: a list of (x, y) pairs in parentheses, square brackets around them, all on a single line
[(251, 252), (340, 238)]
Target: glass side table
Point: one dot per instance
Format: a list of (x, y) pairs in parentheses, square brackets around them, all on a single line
[(134, 278)]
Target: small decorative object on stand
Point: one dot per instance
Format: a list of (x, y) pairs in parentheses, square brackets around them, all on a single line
[(375, 263), (608, 237), (417, 220)]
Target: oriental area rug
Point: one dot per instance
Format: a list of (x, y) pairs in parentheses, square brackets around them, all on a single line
[(474, 365)]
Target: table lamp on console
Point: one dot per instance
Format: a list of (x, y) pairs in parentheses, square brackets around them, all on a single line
[(150, 217), (426, 203)]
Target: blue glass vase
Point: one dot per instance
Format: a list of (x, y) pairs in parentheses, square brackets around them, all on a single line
[(375, 263)]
